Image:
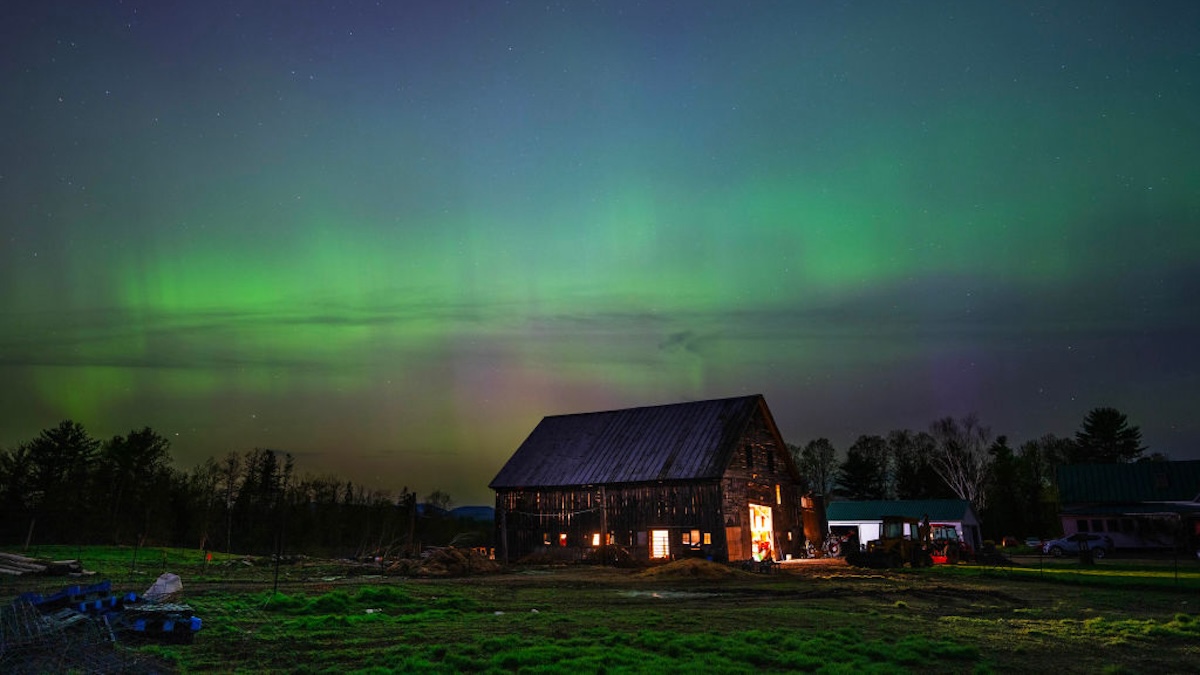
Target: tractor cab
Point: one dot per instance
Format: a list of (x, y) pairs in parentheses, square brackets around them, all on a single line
[(902, 541)]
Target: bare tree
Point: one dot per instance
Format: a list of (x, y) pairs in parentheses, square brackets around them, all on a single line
[(961, 458), (818, 465), (203, 481), (229, 472), (439, 500)]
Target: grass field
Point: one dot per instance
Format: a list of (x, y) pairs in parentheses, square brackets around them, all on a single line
[(1041, 616)]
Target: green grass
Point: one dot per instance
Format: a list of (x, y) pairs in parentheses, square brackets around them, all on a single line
[(1184, 577), (121, 562), (1118, 618)]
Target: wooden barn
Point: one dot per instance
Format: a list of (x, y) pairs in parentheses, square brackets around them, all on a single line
[(707, 478)]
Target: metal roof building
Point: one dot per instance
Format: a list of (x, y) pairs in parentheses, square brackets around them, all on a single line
[(679, 441), (866, 517), (1129, 483), (711, 478), (1137, 505)]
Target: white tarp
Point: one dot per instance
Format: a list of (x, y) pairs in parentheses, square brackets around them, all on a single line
[(164, 587)]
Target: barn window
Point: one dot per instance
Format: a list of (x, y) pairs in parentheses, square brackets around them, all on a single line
[(660, 544), (695, 537), (546, 538), (595, 539), (708, 538), (562, 538), (778, 495), (687, 538)]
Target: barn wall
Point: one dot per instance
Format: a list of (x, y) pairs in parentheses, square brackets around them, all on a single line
[(534, 521), (758, 474)]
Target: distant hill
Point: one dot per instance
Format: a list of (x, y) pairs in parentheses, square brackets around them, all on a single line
[(482, 513)]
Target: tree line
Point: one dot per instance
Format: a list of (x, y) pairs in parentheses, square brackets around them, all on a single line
[(1014, 490), (66, 487)]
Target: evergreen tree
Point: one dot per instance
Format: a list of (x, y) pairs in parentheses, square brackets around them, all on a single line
[(63, 462), (1006, 511), (132, 470), (1037, 473), (1107, 438), (913, 475), (864, 473)]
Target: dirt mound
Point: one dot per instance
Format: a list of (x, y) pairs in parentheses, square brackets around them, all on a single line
[(690, 568), (446, 562)]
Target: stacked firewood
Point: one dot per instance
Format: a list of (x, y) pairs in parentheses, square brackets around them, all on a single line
[(16, 565)]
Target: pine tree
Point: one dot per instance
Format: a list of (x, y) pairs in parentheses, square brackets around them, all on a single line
[(1107, 438)]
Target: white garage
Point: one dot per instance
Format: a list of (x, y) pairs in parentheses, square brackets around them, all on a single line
[(866, 517)]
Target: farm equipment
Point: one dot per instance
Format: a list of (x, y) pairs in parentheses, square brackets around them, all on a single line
[(945, 546), (903, 541), (833, 546)]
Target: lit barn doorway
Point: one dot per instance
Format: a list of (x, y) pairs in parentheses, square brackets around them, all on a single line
[(660, 544), (762, 539)]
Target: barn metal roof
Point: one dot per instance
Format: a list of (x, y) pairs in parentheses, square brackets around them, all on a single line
[(679, 441)]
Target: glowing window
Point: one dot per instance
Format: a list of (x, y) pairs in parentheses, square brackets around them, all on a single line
[(562, 539), (778, 495), (660, 544), (596, 539), (708, 538), (687, 538)]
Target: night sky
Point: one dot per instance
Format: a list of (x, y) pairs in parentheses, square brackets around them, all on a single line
[(389, 237)]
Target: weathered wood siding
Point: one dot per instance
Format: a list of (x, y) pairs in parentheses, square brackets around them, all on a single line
[(761, 472), (691, 469), (533, 521)]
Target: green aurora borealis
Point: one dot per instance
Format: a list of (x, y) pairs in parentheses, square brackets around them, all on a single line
[(389, 239)]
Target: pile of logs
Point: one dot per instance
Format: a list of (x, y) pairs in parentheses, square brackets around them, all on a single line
[(18, 565)]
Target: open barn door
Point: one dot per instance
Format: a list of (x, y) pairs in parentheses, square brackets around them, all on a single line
[(762, 537), (660, 544)]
